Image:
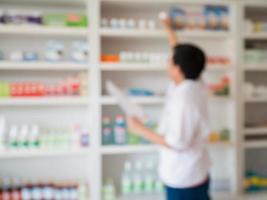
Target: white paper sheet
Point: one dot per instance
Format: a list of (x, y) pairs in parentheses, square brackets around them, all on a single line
[(129, 108)]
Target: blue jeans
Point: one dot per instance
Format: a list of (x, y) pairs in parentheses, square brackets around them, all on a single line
[(200, 192)]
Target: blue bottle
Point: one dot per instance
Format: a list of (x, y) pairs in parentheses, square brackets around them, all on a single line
[(120, 130), (107, 133)]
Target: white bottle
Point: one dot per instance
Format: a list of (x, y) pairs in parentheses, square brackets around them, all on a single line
[(151, 24), (131, 24), (127, 181), (149, 177), (34, 136), (114, 23), (104, 23), (122, 23), (23, 136), (142, 24), (2, 132), (109, 191), (138, 181), (13, 137)]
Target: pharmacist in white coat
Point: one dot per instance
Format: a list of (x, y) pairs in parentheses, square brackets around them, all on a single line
[(183, 129)]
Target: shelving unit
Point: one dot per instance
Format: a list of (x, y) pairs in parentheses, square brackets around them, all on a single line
[(252, 141), (231, 155), (38, 164)]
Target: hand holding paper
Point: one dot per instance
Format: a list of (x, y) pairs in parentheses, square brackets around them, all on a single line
[(129, 108)]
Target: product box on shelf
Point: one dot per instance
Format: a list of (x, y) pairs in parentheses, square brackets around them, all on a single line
[(201, 18)]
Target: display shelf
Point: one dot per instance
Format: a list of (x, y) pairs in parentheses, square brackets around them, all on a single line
[(256, 36), (131, 67), (221, 195), (58, 2), (254, 196), (144, 197), (109, 32), (256, 100), (35, 66), (15, 154), (107, 100), (255, 144), (255, 67), (199, 2), (43, 31), (152, 67), (128, 149), (131, 149), (45, 101), (256, 131)]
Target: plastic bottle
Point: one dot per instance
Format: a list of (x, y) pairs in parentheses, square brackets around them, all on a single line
[(126, 181), (34, 136), (23, 136), (107, 131), (26, 192), (15, 190), (82, 191), (149, 177), (13, 137), (120, 131), (138, 182), (109, 191)]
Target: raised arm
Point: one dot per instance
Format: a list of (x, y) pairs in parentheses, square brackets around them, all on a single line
[(167, 26)]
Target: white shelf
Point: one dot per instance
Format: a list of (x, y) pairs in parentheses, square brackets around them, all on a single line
[(200, 2), (256, 67), (131, 149), (256, 36), (68, 66), (152, 67), (60, 2), (256, 100), (131, 67), (45, 101), (254, 196), (256, 131), (144, 197), (43, 31), (109, 32), (128, 149), (256, 144), (15, 154), (107, 100)]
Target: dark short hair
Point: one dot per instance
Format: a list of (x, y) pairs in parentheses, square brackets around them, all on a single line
[(190, 59)]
